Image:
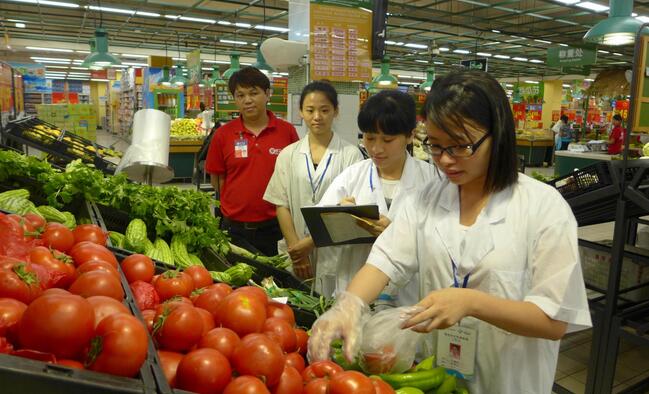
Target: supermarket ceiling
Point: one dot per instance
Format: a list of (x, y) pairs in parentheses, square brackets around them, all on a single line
[(519, 32)]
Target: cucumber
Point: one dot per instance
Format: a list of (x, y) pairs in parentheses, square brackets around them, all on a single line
[(52, 214), (179, 250), (116, 239), (163, 251), (135, 235)]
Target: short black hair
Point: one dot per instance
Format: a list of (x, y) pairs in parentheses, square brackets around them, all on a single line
[(476, 98), (201, 105), (564, 118), (323, 87), (391, 112), (248, 77), (617, 117)]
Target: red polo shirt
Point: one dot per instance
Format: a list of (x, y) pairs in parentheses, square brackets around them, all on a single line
[(246, 178)]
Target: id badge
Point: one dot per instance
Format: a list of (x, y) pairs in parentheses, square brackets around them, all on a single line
[(241, 148), (456, 351)]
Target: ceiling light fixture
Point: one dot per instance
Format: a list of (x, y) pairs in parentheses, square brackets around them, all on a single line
[(100, 57), (536, 61), (462, 51), (50, 49), (563, 45), (384, 80), (271, 28), (20, 25), (485, 54), (135, 56), (421, 61), (199, 20), (495, 31), (501, 56), (234, 65), (567, 1), (519, 59), (234, 42), (47, 2), (224, 23), (533, 82), (589, 5), (619, 28), (542, 41), (444, 49), (565, 85), (146, 13), (110, 9), (589, 80), (244, 25), (430, 78), (416, 46)]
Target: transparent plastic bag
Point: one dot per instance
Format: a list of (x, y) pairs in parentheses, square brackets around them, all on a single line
[(386, 347)]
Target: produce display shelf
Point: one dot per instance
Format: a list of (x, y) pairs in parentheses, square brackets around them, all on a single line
[(592, 192), (64, 147), (282, 277)]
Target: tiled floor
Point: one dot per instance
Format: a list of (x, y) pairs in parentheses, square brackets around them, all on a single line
[(571, 374)]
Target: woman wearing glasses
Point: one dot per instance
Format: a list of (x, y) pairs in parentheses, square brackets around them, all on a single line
[(496, 253), (388, 121)]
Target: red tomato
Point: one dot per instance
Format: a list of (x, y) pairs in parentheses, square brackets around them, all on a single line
[(321, 369), (210, 299), (145, 295), (246, 385), (105, 306), (380, 386), (58, 237), (58, 324), (95, 283), (70, 363), (62, 273), (46, 278), (173, 283), (200, 275), (302, 341), (208, 320), (170, 361), (138, 267), (254, 292), (20, 282), (283, 311), (55, 291), (296, 361), (241, 313), (317, 386), (220, 286), (148, 315), (98, 265), (203, 371), (181, 328), (259, 356), (124, 344), (28, 230), (91, 233), (289, 383), (11, 311), (36, 221), (284, 331), (350, 382), (86, 251), (222, 339)]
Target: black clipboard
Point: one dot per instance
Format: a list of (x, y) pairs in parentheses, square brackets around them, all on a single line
[(313, 216)]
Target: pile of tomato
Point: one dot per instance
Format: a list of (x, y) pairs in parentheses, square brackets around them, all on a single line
[(61, 298)]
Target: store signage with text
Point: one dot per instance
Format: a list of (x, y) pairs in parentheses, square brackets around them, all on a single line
[(475, 64), (569, 56), (98, 74)]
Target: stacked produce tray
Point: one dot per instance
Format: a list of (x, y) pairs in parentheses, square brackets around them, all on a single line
[(282, 277), (592, 191), (62, 145)]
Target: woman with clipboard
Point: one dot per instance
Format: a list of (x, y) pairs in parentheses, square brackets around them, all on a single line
[(496, 253), (303, 172), (388, 121)]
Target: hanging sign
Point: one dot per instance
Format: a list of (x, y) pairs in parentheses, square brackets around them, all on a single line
[(569, 56), (475, 64), (194, 71)]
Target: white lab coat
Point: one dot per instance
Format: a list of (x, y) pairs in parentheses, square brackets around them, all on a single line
[(355, 182), (290, 187), (523, 246)]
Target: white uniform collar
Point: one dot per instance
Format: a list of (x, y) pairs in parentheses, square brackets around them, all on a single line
[(494, 212), (333, 147)]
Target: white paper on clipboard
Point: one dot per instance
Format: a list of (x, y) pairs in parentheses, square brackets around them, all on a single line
[(343, 226)]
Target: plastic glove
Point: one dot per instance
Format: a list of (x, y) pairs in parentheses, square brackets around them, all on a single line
[(344, 320)]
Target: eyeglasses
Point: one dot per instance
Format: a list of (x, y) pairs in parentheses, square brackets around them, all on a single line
[(462, 151)]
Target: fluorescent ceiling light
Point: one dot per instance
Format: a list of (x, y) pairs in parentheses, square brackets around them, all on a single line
[(602, 51), (233, 42), (491, 43), (48, 67), (78, 68), (146, 13), (495, 31), (567, 1), (199, 20), (172, 16), (271, 28), (444, 49), (16, 20), (135, 64), (50, 58), (509, 85), (438, 62), (47, 2), (567, 22), (111, 9), (77, 61), (78, 78), (536, 61), (216, 61), (589, 79), (539, 16), (417, 46), (50, 49), (462, 51), (502, 56), (543, 41), (565, 85), (407, 76), (178, 59), (241, 24), (643, 18), (519, 59), (589, 5), (224, 23), (421, 61), (564, 45), (135, 56), (517, 37), (617, 54), (99, 80), (206, 68), (246, 64), (51, 62), (84, 52), (534, 82), (485, 54), (20, 25)]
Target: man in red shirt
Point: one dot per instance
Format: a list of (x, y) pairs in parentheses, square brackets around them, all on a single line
[(241, 160), (616, 139)]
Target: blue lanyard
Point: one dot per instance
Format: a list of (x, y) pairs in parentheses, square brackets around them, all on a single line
[(371, 183), (315, 188), (465, 282)]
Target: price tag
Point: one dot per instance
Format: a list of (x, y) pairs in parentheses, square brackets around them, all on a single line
[(281, 300)]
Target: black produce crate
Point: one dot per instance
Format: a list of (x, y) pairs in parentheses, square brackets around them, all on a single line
[(61, 148), (24, 376), (281, 277), (303, 318)]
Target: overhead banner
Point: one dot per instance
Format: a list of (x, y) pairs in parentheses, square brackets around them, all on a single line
[(340, 40), (33, 77), (570, 57), (194, 71), (475, 64)]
